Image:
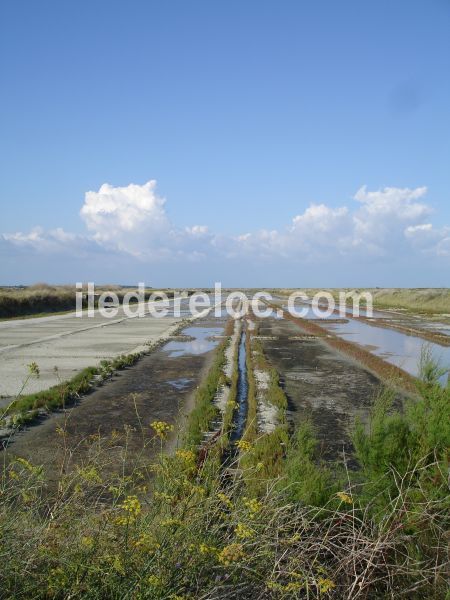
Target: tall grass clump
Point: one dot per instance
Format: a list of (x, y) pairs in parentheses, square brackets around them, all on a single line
[(307, 479), (37, 299)]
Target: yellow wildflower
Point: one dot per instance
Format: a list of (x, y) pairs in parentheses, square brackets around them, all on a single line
[(131, 505), (87, 541), (225, 499), (325, 585), (243, 445), (344, 497), (293, 586), (170, 522), (273, 585), (118, 565), (186, 455), (146, 543), (89, 474), (132, 508), (205, 549), (161, 428), (24, 462), (154, 581), (253, 506), (243, 532), (163, 496), (198, 489), (294, 539), (230, 554)]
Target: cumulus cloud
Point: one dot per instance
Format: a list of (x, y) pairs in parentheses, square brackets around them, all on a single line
[(132, 221), (394, 201), (133, 217), (373, 227)]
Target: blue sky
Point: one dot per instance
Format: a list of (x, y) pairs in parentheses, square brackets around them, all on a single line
[(246, 114)]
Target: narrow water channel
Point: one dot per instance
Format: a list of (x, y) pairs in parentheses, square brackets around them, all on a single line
[(240, 415), (230, 454)]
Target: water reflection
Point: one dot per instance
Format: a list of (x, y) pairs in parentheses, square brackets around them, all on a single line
[(399, 349), (202, 343)]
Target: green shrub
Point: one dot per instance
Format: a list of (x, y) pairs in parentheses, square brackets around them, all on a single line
[(307, 480)]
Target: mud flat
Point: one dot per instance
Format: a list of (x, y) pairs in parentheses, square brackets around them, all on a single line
[(320, 384), (160, 387)]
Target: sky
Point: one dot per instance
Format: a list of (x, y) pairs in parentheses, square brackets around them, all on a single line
[(257, 143)]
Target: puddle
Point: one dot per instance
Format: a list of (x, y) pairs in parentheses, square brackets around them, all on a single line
[(399, 349), (179, 384), (203, 341), (321, 314), (305, 311)]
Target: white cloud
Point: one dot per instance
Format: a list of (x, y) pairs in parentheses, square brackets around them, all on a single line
[(383, 215), (414, 230), (55, 241), (131, 218), (197, 230), (394, 201), (381, 225)]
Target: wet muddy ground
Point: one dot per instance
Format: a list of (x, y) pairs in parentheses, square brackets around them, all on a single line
[(160, 387), (320, 384)]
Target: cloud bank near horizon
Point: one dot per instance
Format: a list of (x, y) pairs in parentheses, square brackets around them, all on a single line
[(130, 223)]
